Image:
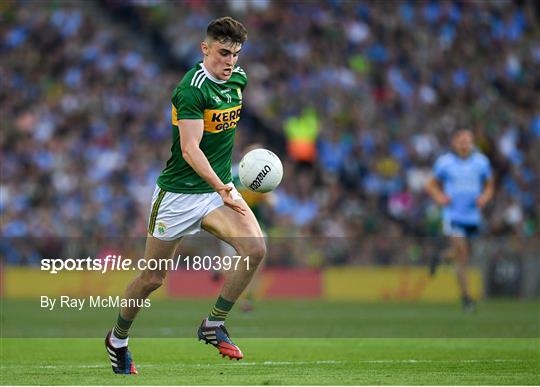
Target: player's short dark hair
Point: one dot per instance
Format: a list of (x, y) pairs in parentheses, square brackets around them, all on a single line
[(461, 130), (226, 29)]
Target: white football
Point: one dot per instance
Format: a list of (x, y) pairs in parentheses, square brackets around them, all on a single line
[(260, 170)]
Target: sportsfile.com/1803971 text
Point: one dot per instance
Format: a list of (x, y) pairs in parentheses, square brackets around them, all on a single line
[(117, 263)]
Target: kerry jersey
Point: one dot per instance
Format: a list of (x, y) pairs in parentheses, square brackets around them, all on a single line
[(218, 103)]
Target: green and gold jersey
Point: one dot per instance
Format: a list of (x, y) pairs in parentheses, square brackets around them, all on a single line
[(218, 104)]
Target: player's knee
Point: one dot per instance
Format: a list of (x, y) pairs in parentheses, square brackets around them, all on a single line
[(256, 251), (151, 281)]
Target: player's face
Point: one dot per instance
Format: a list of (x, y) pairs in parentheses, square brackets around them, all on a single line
[(220, 58), (463, 143)]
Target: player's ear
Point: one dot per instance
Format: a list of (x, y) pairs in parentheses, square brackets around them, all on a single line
[(205, 48)]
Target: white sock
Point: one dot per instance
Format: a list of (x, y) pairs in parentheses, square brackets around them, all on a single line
[(118, 343), (209, 323)]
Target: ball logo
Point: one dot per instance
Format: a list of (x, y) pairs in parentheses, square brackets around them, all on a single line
[(260, 170), (260, 177)]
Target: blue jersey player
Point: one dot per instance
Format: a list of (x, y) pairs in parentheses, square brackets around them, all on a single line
[(462, 184)]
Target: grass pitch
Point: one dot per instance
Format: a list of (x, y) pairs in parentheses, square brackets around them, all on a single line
[(277, 361), (321, 343)]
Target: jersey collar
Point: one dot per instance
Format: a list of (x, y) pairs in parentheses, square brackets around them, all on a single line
[(210, 76), (457, 156)]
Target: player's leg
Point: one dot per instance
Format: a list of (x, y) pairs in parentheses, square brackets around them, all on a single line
[(148, 280), (244, 234), (437, 255), (443, 252), (461, 259), (140, 288), (461, 255), (246, 299)]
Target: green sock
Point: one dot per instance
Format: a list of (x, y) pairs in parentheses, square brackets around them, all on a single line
[(121, 329), (221, 310)]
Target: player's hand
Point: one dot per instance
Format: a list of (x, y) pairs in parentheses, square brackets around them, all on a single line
[(442, 200), (482, 201), (225, 193)]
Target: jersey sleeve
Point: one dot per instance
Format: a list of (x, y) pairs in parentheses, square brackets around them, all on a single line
[(189, 103), (242, 77), (245, 81), (439, 169)]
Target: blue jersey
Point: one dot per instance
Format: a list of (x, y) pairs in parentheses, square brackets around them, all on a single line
[(463, 182)]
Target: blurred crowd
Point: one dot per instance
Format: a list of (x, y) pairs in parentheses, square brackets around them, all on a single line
[(379, 85)]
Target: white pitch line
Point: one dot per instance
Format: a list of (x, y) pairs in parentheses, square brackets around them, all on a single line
[(385, 361), (279, 363), (285, 363)]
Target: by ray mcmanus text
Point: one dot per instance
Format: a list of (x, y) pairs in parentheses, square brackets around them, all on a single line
[(77, 303)]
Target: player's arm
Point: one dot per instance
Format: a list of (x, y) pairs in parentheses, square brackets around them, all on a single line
[(191, 132), (487, 194), (434, 189)]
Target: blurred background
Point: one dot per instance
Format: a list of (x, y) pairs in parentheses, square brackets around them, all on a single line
[(356, 97)]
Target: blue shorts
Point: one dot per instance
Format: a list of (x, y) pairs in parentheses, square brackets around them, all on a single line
[(458, 229)]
